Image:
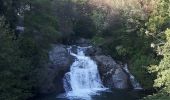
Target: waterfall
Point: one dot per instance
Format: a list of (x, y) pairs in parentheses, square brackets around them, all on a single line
[(133, 81), (83, 80)]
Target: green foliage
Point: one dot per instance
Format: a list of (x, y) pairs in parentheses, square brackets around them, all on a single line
[(121, 51), (157, 24), (80, 1), (98, 17), (159, 19), (158, 96), (40, 22), (15, 70), (21, 58), (97, 40), (139, 67), (163, 69), (84, 28), (10, 8)]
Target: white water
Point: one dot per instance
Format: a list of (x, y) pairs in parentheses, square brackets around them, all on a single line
[(133, 81), (83, 80)]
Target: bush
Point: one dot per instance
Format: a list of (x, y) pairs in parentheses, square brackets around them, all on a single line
[(15, 70)]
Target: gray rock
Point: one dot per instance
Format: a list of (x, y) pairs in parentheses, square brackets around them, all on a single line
[(120, 79), (105, 63), (52, 75), (60, 57), (66, 81), (113, 76)]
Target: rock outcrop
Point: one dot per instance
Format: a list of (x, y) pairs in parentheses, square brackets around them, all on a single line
[(112, 74), (60, 57), (60, 61), (120, 79)]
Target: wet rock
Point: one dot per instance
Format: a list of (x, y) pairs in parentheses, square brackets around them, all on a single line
[(88, 51), (66, 81)]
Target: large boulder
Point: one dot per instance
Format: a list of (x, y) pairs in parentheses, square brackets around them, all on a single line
[(52, 75), (105, 64), (112, 74), (60, 57)]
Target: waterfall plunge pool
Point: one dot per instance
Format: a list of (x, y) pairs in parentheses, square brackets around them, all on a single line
[(114, 94)]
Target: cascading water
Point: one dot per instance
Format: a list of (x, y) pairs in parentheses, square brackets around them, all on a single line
[(133, 81), (83, 80)]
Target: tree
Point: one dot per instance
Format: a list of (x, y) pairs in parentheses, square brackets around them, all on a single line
[(40, 23), (15, 70), (157, 24)]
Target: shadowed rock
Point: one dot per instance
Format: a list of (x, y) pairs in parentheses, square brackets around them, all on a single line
[(52, 75)]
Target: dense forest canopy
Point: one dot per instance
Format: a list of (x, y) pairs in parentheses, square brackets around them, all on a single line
[(132, 31)]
